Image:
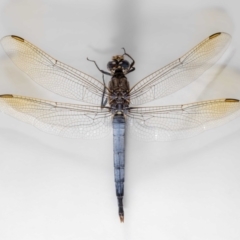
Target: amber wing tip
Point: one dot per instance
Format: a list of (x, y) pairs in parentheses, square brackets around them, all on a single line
[(121, 218)]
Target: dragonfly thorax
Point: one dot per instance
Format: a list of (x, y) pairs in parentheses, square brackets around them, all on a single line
[(119, 92)]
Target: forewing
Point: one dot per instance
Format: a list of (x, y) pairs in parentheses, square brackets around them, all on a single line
[(51, 73), (68, 120), (181, 72), (180, 121)]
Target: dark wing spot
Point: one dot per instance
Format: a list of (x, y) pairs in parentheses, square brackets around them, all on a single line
[(6, 96), (231, 100), (214, 35), (17, 38)]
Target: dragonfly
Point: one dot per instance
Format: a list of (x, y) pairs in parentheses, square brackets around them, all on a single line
[(114, 108)]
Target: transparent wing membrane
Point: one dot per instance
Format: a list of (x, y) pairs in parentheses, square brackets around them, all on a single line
[(181, 72), (51, 73), (68, 120), (180, 121), (149, 123)]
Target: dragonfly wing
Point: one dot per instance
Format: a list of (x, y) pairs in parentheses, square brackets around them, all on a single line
[(180, 121), (51, 73), (182, 71), (68, 120)]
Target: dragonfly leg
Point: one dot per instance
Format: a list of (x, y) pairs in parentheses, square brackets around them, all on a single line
[(131, 68), (102, 71), (103, 103)]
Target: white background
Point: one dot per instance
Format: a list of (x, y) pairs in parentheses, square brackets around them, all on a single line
[(56, 188)]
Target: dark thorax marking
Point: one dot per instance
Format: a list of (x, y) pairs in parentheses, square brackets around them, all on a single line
[(119, 88)]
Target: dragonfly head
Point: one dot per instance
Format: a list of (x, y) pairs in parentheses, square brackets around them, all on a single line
[(118, 63)]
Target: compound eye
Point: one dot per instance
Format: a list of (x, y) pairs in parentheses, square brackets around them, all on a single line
[(111, 65), (124, 64)]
